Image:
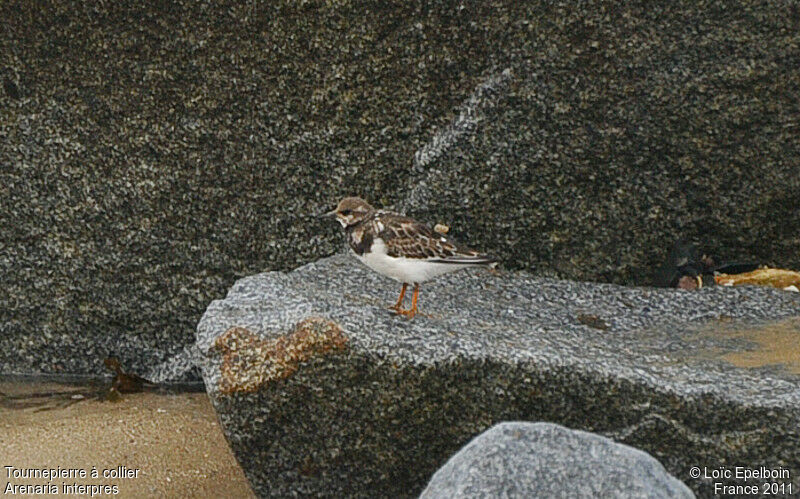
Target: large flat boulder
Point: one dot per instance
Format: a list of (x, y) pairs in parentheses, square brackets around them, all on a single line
[(321, 390), (547, 460), (151, 153)]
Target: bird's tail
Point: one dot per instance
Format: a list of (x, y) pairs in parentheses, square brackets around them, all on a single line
[(477, 260)]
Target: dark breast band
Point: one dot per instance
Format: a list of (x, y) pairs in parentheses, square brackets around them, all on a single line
[(359, 237)]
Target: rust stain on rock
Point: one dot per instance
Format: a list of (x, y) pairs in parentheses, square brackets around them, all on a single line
[(249, 362)]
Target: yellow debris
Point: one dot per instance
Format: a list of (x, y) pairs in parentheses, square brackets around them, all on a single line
[(779, 278)]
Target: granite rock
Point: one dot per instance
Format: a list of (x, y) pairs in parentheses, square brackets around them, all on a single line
[(151, 153), (516, 459), (320, 390)]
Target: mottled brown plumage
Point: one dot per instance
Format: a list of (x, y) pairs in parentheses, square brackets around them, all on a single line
[(405, 237), (402, 248)]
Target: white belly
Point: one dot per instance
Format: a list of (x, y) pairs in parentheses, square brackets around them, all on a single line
[(408, 270)]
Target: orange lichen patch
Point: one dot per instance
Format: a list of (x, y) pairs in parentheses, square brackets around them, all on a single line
[(779, 278), (248, 362)]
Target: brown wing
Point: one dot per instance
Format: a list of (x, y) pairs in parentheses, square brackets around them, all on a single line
[(408, 238)]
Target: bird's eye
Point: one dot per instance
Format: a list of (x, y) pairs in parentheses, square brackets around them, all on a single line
[(347, 212)]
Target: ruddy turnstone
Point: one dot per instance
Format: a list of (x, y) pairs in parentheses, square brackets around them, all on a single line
[(402, 248)]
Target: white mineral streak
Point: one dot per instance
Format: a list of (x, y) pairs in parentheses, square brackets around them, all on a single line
[(470, 115)]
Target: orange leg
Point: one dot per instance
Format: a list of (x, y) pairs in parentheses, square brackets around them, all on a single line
[(413, 310), (399, 305)]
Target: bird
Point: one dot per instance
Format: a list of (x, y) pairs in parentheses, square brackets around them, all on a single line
[(402, 248)]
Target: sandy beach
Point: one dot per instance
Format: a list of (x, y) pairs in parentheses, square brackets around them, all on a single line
[(146, 444)]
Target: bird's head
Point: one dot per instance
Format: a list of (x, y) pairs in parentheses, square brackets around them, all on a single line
[(350, 211)]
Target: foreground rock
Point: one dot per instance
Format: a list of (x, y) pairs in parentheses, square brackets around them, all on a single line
[(153, 152), (320, 389), (548, 460)]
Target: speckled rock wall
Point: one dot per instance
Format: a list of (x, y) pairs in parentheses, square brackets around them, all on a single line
[(152, 152)]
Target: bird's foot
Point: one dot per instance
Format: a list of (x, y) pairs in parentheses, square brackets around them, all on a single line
[(409, 314)]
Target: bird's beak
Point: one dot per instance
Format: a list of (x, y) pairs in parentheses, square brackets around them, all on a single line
[(328, 214)]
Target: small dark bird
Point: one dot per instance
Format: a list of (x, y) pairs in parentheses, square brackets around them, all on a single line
[(687, 268)]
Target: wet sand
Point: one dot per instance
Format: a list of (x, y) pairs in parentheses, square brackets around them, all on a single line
[(775, 344), (174, 440)]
